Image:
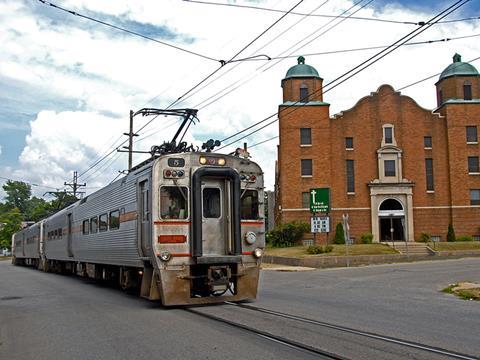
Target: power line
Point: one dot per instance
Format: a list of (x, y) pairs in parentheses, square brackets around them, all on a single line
[(391, 48), (29, 183), (128, 31), (297, 13), (244, 80), (328, 16)]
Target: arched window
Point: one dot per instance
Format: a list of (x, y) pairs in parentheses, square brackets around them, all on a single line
[(391, 204), (304, 93)]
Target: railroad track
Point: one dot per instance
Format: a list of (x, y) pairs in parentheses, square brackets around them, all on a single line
[(400, 347)]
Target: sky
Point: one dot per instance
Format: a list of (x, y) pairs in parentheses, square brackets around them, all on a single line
[(67, 83)]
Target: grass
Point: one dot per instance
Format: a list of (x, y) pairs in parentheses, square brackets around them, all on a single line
[(5, 258), (338, 250), (471, 293), (455, 246)]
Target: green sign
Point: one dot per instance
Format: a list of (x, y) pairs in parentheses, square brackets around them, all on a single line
[(320, 200)]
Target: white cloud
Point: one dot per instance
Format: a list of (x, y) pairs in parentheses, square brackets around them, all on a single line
[(107, 72)]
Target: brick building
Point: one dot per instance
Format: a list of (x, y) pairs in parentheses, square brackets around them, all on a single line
[(389, 163)]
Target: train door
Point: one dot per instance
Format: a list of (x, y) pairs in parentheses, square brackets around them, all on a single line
[(214, 217), (144, 216), (69, 235)]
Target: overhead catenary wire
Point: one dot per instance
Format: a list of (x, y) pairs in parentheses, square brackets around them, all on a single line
[(325, 15), (347, 75), (223, 63), (251, 58), (304, 42), (128, 31)]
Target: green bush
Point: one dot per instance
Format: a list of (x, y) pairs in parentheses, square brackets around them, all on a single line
[(339, 234), (450, 233), (366, 238), (464, 238), (286, 235), (425, 237), (317, 249)]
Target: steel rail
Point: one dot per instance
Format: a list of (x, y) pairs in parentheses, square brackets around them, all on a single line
[(371, 335), (271, 337)]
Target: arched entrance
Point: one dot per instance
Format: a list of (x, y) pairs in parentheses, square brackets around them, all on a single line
[(391, 215)]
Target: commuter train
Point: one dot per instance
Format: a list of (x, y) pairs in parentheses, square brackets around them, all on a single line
[(183, 228)]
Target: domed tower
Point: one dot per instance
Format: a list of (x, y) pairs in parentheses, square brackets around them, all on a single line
[(304, 127), (302, 83), (458, 83), (458, 91)]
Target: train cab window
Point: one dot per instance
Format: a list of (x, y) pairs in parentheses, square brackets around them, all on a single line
[(85, 227), (249, 205), (93, 224), (103, 222), (211, 203), (173, 202), (114, 220)]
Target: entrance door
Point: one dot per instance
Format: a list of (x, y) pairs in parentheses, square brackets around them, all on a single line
[(214, 217), (387, 224), (144, 217)]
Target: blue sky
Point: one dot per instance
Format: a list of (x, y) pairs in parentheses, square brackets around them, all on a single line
[(67, 84)]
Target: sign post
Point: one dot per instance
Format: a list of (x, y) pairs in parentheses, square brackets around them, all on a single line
[(346, 234), (320, 202)]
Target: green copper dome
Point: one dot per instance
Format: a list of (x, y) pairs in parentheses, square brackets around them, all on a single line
[(302, 70), (458, 68)]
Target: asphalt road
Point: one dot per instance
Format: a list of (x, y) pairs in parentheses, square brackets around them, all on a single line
[(399, 300), (48, 316)]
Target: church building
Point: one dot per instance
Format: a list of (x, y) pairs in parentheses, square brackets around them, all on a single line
[(398, 170)]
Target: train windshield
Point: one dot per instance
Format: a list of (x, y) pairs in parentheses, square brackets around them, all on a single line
[(249, 205), (173, 202)]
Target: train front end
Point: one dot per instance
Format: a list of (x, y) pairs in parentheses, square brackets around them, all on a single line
[(208, 234)]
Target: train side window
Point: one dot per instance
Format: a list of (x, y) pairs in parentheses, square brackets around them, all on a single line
[(114, 220), (93, 224), (86, 227), (103, 222), (211, 203), (249, 205), (55, 233), (173, 202), (60, 232)]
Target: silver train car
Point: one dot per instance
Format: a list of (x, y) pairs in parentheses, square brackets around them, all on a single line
[(184, 228)]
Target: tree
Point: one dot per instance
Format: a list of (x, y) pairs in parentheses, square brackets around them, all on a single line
[(339, 234), (62, 200), (38, 209), (17, 195), (450, 233), (10, 223)]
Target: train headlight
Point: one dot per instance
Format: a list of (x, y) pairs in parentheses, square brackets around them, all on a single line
[(258, 253), (203, 160), (221, 161), (165, 256), (250, 237)]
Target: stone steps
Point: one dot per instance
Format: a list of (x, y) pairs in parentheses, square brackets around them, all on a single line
[(413, 248)]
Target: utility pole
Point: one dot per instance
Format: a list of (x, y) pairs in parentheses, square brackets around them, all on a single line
[(130, 135), (75, 185)]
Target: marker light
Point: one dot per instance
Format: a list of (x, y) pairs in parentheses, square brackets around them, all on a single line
[(250, 237)]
